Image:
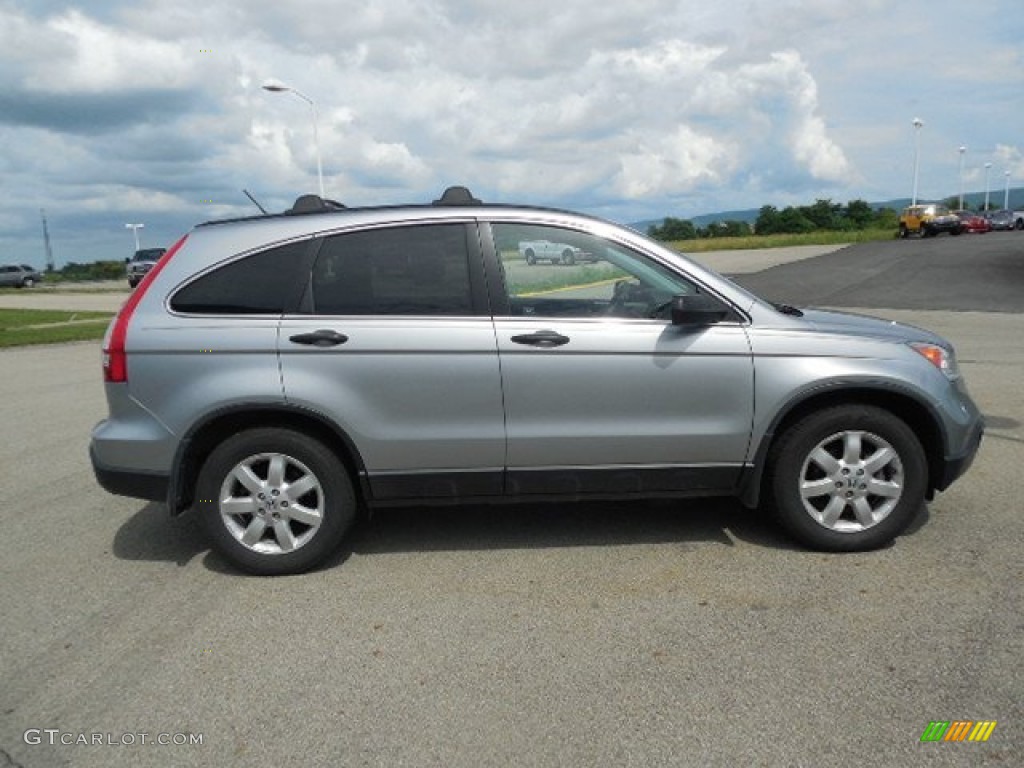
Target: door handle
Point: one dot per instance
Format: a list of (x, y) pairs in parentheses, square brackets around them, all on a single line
[(321, 338), (545, 339)]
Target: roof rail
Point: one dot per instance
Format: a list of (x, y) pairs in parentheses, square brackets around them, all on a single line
[(314, 204), (457, 196)]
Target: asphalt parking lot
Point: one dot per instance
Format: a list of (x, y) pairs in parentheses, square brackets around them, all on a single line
[(641, 634)]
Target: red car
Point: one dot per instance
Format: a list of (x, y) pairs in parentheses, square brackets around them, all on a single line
[(973, 222)]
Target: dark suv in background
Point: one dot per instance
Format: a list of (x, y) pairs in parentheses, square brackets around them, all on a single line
[(138, 265), (280, 373)]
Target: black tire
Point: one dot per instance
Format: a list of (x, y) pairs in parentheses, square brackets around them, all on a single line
[(1019, 224), (132, 283), (568, 257), (926, 231), (531, 258), (302, 462), (28, 282), (843, 492), (904, 232)]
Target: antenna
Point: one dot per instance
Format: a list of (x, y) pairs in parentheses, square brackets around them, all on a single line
[(46, 241), (262, 209)]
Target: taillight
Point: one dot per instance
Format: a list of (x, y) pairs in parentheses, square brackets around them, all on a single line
[(115, 359)]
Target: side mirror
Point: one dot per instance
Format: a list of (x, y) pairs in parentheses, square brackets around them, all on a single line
[(697, 309)]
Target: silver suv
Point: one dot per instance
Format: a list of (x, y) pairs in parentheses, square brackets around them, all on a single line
[(281, 373)]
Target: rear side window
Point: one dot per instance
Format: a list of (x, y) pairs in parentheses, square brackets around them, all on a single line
[(413, 270), (255, 285)]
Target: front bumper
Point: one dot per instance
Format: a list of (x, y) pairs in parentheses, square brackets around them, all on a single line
[(955, 466)]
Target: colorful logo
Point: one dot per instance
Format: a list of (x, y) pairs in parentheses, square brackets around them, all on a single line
[(958, 730)]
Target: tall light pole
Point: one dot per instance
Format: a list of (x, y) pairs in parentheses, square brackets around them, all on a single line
[(135, 229), (962, 150), (1006, 190), (918, 122), (988, 171), (275, 86)]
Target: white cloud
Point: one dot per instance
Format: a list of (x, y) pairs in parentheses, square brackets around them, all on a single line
[(86, 55), (666, 166)]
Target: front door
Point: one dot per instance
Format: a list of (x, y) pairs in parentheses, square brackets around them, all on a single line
[(603, 394)]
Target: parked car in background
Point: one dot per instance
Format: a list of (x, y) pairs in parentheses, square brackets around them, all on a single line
[(279, 374), (928, 220), (973, 222), (1001, 220), (19, 276), (138, 265), (556, 253)]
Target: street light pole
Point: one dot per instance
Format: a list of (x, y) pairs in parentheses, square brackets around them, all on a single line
[(135, 229), (988, 171), (917, 155), (275, 86), (962, 150), (1006, 191)]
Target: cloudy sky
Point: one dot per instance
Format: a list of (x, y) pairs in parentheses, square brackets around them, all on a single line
[(151, 111)]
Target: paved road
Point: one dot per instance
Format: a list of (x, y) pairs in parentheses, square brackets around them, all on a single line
[(658, 634), (983, 273)]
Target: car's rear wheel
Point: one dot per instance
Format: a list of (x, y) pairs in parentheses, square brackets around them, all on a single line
[(904, 232), (568, 257), (847, 478), (275, 501), (28, 282), (531, 258)]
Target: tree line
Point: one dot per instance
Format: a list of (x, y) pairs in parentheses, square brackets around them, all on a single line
[(822, 215)]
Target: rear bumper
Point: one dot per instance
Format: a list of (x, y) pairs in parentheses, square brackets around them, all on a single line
[(138, 485)]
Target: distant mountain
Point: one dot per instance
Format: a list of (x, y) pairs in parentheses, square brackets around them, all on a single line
[(971, 200)]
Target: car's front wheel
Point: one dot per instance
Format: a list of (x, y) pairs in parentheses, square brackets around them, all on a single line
[(847, 478), (275, 501)]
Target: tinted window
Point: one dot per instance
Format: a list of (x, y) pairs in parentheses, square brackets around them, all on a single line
[(415, 270), (256, 285)]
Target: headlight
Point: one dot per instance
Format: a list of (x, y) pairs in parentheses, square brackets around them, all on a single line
[(941, 357)]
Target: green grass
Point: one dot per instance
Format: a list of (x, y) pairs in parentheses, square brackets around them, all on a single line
[(19, 327), (538, 280), (781, 241)]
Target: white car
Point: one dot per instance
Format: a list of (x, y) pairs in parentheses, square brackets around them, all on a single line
[(557, 253)]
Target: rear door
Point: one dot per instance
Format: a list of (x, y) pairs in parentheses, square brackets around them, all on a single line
[(394, 343)]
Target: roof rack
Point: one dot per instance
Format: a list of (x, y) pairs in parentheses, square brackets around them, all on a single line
[(313, 204), (457, 196)]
